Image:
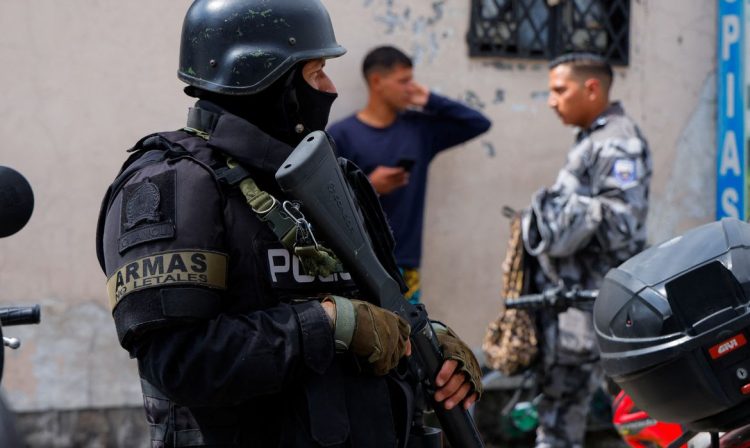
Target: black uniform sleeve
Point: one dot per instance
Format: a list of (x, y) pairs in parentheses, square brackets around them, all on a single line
[(232, 358), (167, 266)]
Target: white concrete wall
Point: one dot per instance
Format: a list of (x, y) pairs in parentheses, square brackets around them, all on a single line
[(82, 80)]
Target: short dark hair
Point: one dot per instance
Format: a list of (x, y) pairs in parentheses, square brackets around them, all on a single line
[(588, 65), (385, 58)]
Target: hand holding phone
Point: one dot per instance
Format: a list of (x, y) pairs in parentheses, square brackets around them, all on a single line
[(406, 164), (387, 179)]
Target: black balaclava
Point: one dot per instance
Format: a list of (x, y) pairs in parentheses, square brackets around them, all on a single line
[(314, 105), (287, 110)]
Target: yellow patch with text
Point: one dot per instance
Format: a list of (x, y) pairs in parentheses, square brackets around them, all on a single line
[(201, 268)]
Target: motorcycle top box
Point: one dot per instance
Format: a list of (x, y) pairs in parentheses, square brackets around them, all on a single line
[(673, 325)]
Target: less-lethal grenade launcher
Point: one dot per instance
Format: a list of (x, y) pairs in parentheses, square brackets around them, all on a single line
[(312, 176)]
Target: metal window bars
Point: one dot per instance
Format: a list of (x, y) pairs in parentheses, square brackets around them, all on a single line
[(544, 29)]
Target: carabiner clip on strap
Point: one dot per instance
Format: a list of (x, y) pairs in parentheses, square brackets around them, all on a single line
[(288, 223), (315, 258)]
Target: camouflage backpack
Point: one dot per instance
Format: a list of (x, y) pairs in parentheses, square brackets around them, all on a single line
[(510, 344)]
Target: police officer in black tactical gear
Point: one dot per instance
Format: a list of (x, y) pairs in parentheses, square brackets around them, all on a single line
[(246, 329)]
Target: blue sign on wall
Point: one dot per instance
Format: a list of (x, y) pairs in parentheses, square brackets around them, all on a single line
[(732, 182)]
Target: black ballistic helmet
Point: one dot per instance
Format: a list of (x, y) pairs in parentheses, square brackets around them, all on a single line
[(240, 47), (673, 325)]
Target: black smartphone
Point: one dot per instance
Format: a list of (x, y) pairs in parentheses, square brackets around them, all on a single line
[(406, 164)]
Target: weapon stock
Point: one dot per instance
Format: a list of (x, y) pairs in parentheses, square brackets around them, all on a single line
[(312, 175)]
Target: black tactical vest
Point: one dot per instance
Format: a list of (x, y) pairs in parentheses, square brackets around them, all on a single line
[(153, 226)]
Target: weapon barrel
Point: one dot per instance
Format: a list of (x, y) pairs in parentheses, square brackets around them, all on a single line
[(529, 301), (560, 299)]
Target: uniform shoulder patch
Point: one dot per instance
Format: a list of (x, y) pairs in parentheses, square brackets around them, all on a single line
[(184, 267), (148, 211), (623, 170)]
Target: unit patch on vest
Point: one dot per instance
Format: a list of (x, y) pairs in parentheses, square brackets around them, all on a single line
[(147, 211), (624, 171), (201, 268)]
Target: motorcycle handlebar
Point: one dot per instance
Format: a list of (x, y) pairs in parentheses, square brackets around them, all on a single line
[(19, 315), (554, 299)]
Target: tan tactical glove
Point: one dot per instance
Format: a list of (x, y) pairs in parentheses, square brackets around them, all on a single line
[(454, 348), (370, 332)]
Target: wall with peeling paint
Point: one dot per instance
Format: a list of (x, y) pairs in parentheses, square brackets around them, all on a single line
[(83, 79)]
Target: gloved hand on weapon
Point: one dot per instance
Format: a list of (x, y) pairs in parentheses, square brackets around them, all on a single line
[(383, 338), (369, 332), (460, 378)]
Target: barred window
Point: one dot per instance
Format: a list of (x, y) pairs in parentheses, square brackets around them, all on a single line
[(544, 29)]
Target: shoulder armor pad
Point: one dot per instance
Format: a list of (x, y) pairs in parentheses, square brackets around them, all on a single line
[(151, 149)]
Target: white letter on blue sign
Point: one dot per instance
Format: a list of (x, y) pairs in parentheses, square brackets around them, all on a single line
[(730, 157), (729, 200), (730, 95), (730, 34)]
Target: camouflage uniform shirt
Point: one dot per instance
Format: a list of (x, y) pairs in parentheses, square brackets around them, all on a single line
[(594, 216)]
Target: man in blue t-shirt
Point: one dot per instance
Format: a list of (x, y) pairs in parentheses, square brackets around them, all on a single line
[(394, 139)]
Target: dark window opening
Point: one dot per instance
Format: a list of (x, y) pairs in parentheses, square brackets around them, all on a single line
[(544, 29)]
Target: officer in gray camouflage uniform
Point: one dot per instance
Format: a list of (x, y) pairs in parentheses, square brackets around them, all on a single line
[(592, 219)]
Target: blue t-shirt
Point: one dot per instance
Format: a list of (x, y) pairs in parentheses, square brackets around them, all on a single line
[(414, 135)]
